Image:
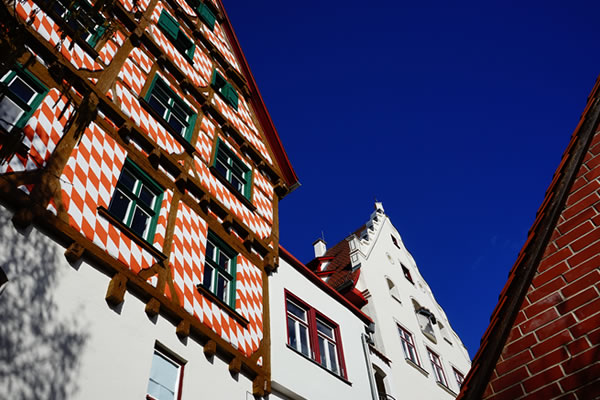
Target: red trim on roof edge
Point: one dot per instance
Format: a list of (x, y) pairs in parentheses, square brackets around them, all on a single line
[(290, 177), (294, 262)]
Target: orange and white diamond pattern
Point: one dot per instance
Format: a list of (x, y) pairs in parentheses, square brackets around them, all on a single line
[(50, 31), (42, 133), (187, 264), (263, 184), (249, 134), (132, 76), (133, 109), (256, 224), (88, 182)]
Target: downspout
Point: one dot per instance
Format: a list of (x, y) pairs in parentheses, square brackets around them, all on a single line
[(369, 367)]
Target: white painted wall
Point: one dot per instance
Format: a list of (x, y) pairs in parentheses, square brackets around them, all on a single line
[(60, 340), (380, 259), (296, 377)]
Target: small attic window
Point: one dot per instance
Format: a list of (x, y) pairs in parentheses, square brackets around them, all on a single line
[(393, 290), (395, 241), (407, 274), (426, 321)]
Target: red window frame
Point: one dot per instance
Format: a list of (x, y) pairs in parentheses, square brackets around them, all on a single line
[(460, 378), (407, 339), (169, 356), (438, 369), (313, 334)]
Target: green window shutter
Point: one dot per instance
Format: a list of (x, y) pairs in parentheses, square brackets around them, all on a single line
[(207, 16), (169, 25), (232, 284), (248, 187), (190, 129), (231, 95), (190, 52), (97, 35)]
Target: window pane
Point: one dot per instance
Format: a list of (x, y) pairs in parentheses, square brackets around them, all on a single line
[(292, 341), (22, 90), (119, 205), (304, 340), (9, 113), (332, 357), (163, 377), (140, 222), (324, 329), (224, 261), (211, 251), (127, 180), (157, 105), (147, 196), (208, 274), (237, 183), (323, 351), (222, 168), (221, 289), (297, 311), (177, 125)]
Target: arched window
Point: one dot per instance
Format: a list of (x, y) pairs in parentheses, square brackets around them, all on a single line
[(380, 378), (426, 321), (393, 289)]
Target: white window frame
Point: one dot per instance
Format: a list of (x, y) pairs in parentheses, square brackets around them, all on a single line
[(161, 352)]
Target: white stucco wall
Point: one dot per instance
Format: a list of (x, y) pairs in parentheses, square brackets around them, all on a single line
[(296, 377), (381, 259), (60, 340)]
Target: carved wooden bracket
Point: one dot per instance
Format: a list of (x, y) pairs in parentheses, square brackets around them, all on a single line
[(74, 252), (210, 349), (183, 329), (116, 289), (152, 308), (235, 366)]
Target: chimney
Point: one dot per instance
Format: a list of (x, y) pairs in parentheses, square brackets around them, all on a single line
[(320, 247)]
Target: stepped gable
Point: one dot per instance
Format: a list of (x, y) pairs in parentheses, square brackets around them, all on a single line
[(543, 339)]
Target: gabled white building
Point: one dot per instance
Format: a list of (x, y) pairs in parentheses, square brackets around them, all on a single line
[(414, 351), (318, 346)]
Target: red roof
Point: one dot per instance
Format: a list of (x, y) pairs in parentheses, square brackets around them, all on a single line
[(324, 286)]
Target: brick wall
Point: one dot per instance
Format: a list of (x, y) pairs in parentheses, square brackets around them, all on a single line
[(553, 350)]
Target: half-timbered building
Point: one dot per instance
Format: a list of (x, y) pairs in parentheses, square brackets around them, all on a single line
[(133, 136)]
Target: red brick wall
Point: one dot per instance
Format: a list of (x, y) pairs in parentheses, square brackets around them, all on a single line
[(553, 351)]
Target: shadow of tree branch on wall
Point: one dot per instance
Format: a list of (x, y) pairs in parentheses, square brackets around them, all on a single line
[(39, 348)]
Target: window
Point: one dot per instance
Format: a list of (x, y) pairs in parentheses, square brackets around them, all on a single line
[(426, 321), (20, 95), (225, 89), (407, 274), (436, 365), (170, 27), (80, 17), (459, 377), (136, 201), (220, 270), (314, 335), (166, 376), (393, 289), (230, 167), (408, 345), (395, 241), (204, 12), (176, 113)]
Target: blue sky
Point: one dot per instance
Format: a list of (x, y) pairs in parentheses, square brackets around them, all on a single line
[(455, 116)]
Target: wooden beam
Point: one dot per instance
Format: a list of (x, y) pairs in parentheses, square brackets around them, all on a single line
[(152, 308), (116, 289)]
